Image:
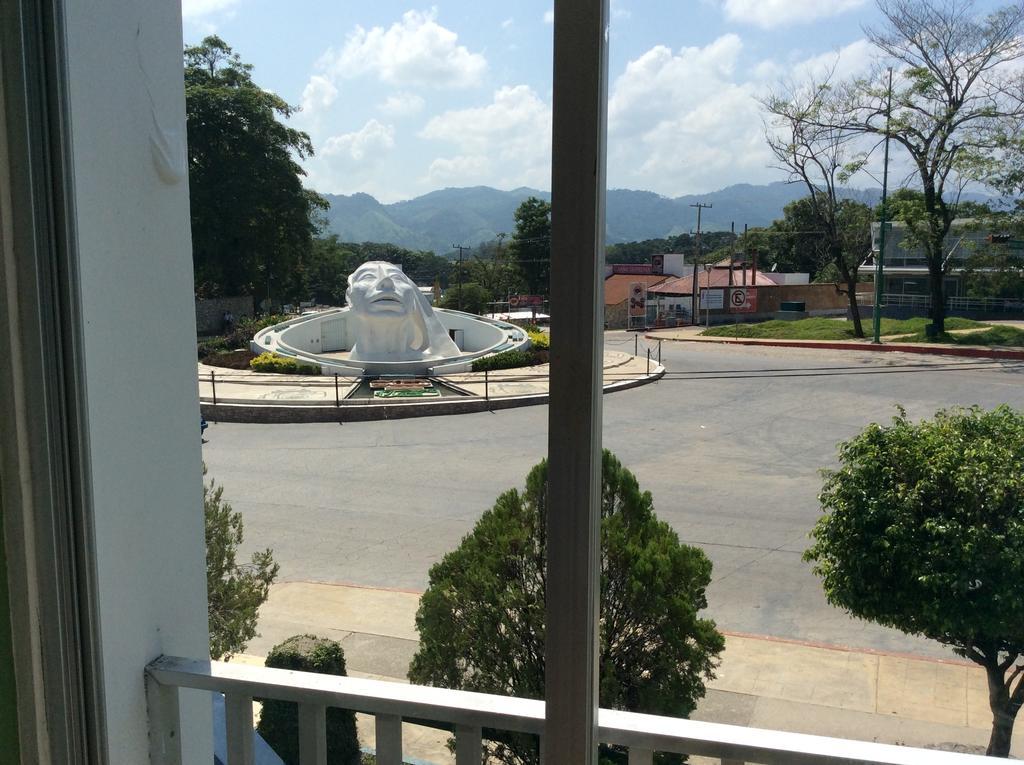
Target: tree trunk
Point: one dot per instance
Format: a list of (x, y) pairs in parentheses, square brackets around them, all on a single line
[(1004, 712), (936, 288), (851, 293)]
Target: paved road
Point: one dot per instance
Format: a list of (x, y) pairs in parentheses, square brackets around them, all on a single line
[(729, 444)]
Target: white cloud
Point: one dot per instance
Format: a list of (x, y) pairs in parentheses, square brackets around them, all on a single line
[(849, 61), (401, 104), (507, 23), (511, 137), (415, 51), (683, 122), (318, 94), (549, 17), (459, 171), (769, 14), (364, 146), (191, 10)]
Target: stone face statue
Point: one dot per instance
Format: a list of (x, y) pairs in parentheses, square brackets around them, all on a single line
[(391, 319)]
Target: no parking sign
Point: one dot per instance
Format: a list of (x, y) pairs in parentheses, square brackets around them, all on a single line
[(743, 299)]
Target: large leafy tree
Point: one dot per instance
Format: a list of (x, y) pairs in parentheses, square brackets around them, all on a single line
[(252, 220), (481, 619), (531, 244), (955, 103), (235, 591), (924, 531)]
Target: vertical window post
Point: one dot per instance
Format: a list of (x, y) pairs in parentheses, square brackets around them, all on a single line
[(577, 320)]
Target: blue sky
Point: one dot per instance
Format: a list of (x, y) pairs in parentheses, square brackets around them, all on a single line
[(402, 99)]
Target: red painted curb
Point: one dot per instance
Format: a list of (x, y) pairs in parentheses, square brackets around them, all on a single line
[(973, 352)]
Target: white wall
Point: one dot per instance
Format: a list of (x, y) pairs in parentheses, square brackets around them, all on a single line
[(139, 324), (478, 335)]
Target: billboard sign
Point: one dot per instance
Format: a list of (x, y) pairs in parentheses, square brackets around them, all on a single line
[(637, 299), (743, 299), (712, 300), (526, 301)]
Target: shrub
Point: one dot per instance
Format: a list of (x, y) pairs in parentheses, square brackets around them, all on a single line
[(244, 330), (235, 591), (285, 365), (211, 347), (279, 720), (541, 340), (504, 360), (481, 619)]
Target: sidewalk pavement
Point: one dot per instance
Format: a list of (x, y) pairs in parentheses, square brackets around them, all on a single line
[(762, 682), (239, 386), (888, 344)]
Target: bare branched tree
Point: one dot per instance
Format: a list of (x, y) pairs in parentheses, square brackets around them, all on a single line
[(813, 147), (956, 96)]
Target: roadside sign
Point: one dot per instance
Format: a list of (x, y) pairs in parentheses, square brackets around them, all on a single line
[(637, 299), (712, 300), (743, 299)]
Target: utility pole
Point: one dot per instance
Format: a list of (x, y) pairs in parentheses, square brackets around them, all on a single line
[(877, 312), (694, 314), (460, 248)]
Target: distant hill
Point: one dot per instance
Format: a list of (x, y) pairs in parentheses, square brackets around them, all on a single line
[(468, 216)]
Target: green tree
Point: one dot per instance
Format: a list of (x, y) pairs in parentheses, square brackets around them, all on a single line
[(235, 591), (470, 297), (996, 269), (924, 531), (279, 720), (481, 619), (955, 103), (531, 244), (252, 221), (494, 269), (330, 263)]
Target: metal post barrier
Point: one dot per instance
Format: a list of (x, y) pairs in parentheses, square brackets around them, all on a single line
[(659, 350), (213, 383), (487, 386), (648, 362), (636, 345), (337, 398)]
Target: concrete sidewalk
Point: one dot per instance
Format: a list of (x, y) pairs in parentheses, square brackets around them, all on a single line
[(762, 682), (888, 344), (241, 386)]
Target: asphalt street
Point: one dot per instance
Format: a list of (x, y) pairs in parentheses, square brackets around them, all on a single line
[(730, 444)]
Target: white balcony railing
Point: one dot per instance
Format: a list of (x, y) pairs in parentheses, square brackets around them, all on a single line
[(467, 714)]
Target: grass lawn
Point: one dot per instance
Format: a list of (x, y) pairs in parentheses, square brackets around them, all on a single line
[(831, 329), (1000, 335)]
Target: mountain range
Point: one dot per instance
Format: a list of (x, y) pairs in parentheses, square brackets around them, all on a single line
[(468, 216)]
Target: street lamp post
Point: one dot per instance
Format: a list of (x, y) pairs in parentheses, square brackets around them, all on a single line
[(876, 314)]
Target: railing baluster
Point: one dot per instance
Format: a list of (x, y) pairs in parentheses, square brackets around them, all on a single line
[(164, 723), (238, 714), (312, 734), (638, 756), (468, 745), (389, 739)]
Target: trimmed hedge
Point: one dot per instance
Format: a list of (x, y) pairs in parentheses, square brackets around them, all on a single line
[(504, 360), (272, 362), (279, 720)]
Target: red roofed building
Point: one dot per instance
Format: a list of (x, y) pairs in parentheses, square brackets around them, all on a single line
[(616, 296)]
